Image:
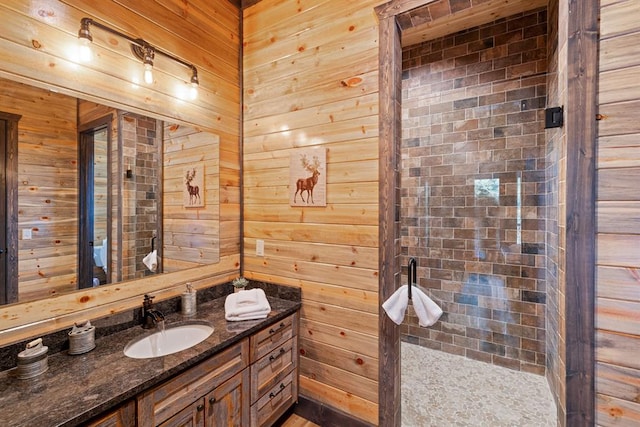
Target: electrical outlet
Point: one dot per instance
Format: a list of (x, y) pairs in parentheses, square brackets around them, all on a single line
[(259, 247), (26, 234)]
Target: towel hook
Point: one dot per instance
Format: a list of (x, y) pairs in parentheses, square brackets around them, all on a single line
[(411, 275), (153, 243)]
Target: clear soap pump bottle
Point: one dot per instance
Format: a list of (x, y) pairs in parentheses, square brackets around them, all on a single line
[(189, 301)]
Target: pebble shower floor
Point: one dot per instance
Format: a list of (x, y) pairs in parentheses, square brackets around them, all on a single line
[(446, 390)]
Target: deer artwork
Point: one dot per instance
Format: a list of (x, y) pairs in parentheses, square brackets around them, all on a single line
[(307, 184), (194, 190)]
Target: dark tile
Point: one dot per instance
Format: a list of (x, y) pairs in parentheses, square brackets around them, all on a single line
[(533, 296), (492, 348), (465, 103), (465, 299)]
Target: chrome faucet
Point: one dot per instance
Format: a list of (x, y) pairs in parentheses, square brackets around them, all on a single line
[(151, 317)]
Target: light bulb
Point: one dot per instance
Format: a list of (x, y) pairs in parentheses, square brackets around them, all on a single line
[(148, 73), (193, 91), (84, 50)]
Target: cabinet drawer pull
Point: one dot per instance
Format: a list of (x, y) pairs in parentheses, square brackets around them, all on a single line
[(212, 400), (200, 408), (275, 356), (272, 394), (273, 331)]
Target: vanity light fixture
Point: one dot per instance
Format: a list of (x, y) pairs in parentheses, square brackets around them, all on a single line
[(140, 48)]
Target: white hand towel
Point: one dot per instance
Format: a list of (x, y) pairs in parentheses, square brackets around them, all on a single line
[(246, 305), (151, 260), (249, 316), (396, 305), (428, 312)]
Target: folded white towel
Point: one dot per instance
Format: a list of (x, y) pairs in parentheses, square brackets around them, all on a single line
[(396, 305), (246, 305), (151, 260), (428, 312), (249, 316)]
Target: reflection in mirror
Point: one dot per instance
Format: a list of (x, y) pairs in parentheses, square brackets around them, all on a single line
[(90, 218), (94, 260)]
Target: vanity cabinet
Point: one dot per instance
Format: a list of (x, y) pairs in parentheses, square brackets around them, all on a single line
[(274, 371), (222, 407), (251, 383), (212, 393), (122, 416)]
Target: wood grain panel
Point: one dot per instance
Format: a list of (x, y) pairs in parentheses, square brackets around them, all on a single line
[(47, 187), (617, 412), (190, 235), (62, 32), (619, 283), (341, 400), (298, 59), (356, 235), (618, 381), (618, 159), (620, 151), (617, 349), (619, 118), (338, 316), (360, 133), (327, 113), (351, 256), (349, 277), (298, 38), (353, 362), (619, 217), (620, 52), (343, 338), (613, 184), (614, 85), (335, 214), (618, 316), (618, 250), (282, 96), (339, 378), (619, 18)]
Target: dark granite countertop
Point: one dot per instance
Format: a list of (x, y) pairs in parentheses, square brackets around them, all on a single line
[(77, 388)]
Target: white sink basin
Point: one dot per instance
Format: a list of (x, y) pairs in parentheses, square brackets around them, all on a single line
[(172, 340)]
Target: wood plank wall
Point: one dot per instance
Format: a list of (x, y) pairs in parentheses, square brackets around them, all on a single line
[(311, 80), (190, 234), (47, 188), (35, 42), (618, 210)]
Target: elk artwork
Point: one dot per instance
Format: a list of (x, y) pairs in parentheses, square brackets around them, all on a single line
[(194, 190), (307, 184)]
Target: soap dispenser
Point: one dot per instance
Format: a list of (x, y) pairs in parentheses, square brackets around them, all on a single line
[(189, 301)]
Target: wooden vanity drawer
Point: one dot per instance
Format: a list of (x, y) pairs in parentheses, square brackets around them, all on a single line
[(275, 401), (270, 369), (270, 338), (159, 404)]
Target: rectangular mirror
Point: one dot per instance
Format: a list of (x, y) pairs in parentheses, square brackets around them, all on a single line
[(99, 189)]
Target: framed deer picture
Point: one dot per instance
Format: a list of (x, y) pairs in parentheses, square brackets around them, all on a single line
[(308, 177), (193, 186)]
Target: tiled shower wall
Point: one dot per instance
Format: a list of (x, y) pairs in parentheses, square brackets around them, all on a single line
[(141, 153), (473, 189)]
